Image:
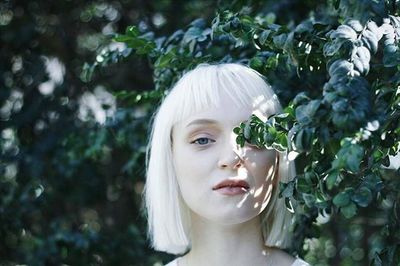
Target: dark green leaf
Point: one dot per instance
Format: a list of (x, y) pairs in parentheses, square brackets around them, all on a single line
[(362, 196), (349, 210), (342, 199)]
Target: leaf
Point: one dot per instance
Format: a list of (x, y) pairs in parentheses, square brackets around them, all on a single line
[(286, 189), (122, 38), (344, 32), (136, 43), (353, 157), (342, 199), (247, 130), (391, 56), (370, 40), (305, 113), (191, 34), (309, 199), (304, 139), (331, 179), (165, 59), (302, 186), (301, 98), (373, 182), (340, 67), (264, 36), (256, 63), (332, 47), (355, 25), (363, 55), (349, 210), (132, 31), (362, 196), (280, 40)]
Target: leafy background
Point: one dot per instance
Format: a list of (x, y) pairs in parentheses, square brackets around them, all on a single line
[(79, 82)]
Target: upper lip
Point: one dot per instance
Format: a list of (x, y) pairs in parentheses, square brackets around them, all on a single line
[(231, 183)]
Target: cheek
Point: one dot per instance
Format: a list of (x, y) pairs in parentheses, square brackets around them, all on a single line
[(263, 170), (190, 165)]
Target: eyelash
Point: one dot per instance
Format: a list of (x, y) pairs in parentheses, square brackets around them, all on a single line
[(196, 140)]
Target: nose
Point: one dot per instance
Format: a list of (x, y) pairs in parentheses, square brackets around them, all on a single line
[(231, 157)]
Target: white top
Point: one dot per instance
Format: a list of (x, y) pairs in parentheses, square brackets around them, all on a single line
[(297, 262)]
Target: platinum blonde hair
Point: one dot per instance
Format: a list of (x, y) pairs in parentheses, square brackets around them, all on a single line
[(167, 214)]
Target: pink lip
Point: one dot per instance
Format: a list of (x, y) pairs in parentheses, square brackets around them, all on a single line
[(232, 187)]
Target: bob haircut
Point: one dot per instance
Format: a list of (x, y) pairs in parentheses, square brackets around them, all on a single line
[(167, 213)]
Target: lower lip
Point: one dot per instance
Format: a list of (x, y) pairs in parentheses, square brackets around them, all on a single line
[(232, 190)]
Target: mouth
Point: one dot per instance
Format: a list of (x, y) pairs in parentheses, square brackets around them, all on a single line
[(232, 187)]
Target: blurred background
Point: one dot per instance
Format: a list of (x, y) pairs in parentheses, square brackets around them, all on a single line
[(72, 153)]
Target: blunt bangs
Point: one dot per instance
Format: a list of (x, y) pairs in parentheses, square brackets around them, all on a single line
[(202, 88)]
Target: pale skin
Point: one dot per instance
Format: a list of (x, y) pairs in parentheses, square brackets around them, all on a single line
[(225, 230)]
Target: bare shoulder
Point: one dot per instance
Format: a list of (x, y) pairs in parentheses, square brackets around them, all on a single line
[(284, 258)]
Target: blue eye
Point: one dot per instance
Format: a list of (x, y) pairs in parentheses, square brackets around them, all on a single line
[(203, 141)]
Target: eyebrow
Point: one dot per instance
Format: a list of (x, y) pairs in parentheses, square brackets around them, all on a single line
[(202, 122)]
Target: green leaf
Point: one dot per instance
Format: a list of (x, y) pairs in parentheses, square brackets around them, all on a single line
[(240, 140), (302, 186), (264, 36), (280, 40), (132, 31), (247, 130), (362, 196), (310, 177), (286, 189), (331, 179), (370, 40), (372, 181), (191, 34), (391, 55), (344, 32), (331, 48), (349, 210), (309, 199), (136, 43), (305, 113), (354, 157), (122, 38), (165, 59), (342, 199), (256, 63), (340, 67)]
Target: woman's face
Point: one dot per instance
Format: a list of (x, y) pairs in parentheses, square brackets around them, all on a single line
[(205, 154)]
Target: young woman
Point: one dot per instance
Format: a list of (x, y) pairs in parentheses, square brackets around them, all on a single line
[(207, 198)]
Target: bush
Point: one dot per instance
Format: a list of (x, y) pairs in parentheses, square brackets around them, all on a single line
[(334, 64)]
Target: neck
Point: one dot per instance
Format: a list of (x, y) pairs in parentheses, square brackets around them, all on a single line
[(239, 244)]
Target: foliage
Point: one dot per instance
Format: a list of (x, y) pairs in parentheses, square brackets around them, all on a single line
[(71, 176), (341, 123)]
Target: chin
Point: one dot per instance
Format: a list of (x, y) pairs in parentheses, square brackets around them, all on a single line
[(229, 216)]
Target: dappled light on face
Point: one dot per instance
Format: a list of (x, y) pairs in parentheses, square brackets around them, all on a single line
[(240, 204), (258, 192), (270, 173), (267, 196)]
